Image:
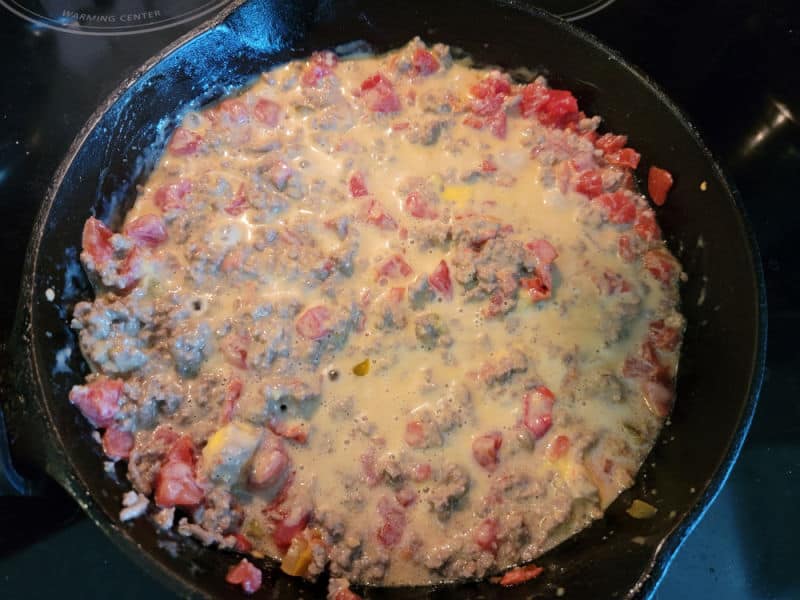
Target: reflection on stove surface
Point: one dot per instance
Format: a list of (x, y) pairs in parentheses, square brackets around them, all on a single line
[(111, 17)]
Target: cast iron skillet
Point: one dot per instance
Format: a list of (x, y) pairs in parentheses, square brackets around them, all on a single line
[(722, 363)]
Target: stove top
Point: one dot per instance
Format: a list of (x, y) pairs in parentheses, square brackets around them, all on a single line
[(728, 63)]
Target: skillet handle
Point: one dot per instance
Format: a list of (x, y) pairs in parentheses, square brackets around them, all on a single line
[(30, 508), (11, 482)]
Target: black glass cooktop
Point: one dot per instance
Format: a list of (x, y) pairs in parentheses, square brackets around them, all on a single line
[(730, 64)]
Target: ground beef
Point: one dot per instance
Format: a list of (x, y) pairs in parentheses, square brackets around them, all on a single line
[(109, 335), (447, 489)]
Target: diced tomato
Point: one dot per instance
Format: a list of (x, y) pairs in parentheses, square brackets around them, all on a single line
[(376, 215), (415, 434), (117, 443), (98, 400), (440, 280), (661, 265), (486, 535), (172, 196), (624, 249), (558, 447), (96, 240), (646, 227), (658, 397), (488, 166), (182, 450), (489, 94), (184, 142), (423, 62), (552, 107), (234, 111), (590, 183), (267, 112), (620, 207), (238, 203), (608, 142), (394, 522), (234, 349), (312, 324), (288, 527), (625, 157), (560, 108), (537, 411), (543, 250), (270, 464), (644, 365), (405, 496), (394, 268), (378, 93), (664, 337), (520, 575), (246, 575), (421, 472), (357, 186), (486, 449), (147, 230), (232, 395), (319, 66), (417, 205), (659, 182), (242, 543), (175, 482)]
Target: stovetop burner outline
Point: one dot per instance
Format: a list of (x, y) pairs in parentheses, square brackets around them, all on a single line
[(74, 17)]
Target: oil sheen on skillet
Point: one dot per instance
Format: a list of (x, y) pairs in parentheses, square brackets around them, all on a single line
[(393, 317)]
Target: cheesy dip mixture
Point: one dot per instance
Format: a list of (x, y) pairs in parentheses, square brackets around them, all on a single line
[(391, 317)]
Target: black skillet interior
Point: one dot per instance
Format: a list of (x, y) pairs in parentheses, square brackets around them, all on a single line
[(723, 298)]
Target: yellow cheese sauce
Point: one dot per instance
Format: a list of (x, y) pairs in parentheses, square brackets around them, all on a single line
[(426, 426)]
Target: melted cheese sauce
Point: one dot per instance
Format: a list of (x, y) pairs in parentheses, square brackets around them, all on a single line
[(302, 240)]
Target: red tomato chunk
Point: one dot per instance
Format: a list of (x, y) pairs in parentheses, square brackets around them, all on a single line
[(147, 230), (659, 183), (486, 450), (441, 282), (620, 207), (312, 323), (395, 268), (246, 575), (117, 444), (98, 400), (378, 93), (184, 142), (423, 62), (175, 482), (537, 411)]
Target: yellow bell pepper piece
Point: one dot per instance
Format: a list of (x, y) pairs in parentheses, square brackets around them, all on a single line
[(457, 193), (297, 558), (642, 510), (362, 368)]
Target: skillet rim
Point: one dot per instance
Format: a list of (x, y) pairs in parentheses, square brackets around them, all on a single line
[(663, 554)]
